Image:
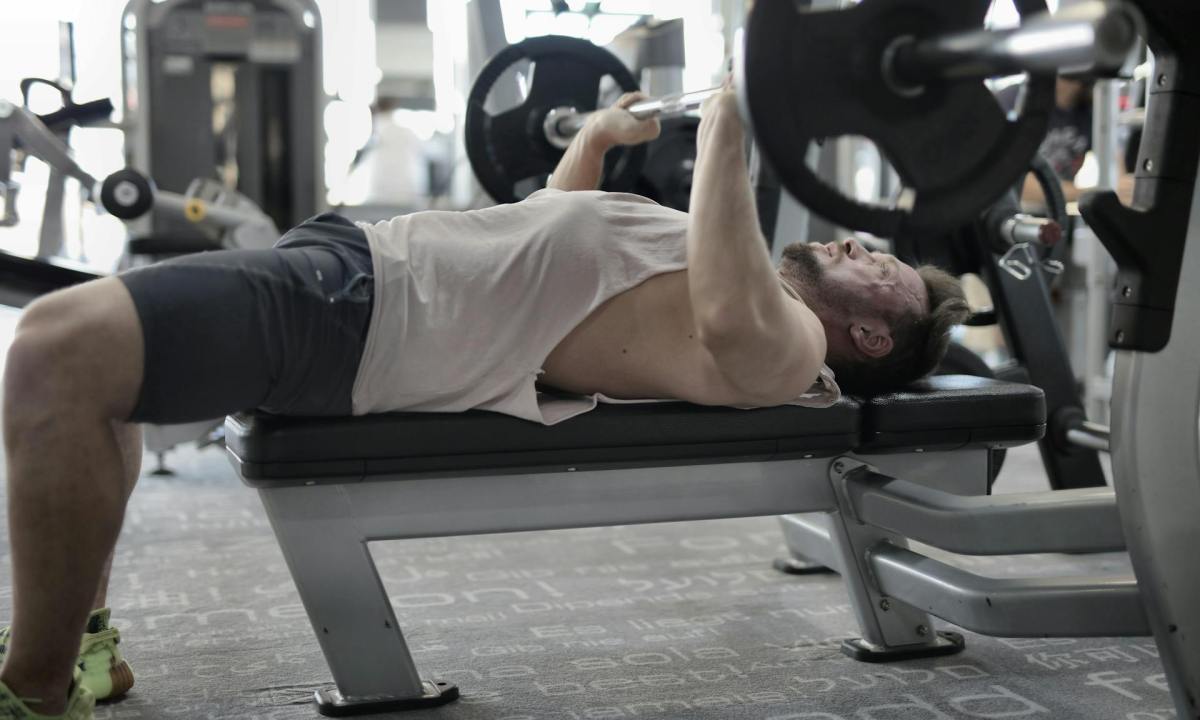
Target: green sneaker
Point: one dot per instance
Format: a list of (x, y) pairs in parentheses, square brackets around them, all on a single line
[(79, 702), (79, 705), (105, 673)]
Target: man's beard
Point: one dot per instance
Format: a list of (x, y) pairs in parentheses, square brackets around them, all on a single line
[(803, 272), (831, 301)]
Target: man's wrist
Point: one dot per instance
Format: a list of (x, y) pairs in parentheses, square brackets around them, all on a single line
[(594, 137), (728, 123)]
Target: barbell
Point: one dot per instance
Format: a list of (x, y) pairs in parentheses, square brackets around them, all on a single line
[(1093, 37), (905, 74)]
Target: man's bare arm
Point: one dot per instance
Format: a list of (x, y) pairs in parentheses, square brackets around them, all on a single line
[(769, 346), (582, 166), (583, 163)]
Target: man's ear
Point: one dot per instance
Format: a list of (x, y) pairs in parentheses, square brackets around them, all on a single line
[(872, 339)]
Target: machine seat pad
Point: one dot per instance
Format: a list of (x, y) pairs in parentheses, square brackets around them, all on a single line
[(946, 412), (269, 450)]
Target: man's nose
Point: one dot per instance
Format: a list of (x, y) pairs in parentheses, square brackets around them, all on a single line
[(852, 248)]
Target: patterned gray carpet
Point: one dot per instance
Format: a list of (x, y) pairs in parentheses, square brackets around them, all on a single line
[(655, 621)]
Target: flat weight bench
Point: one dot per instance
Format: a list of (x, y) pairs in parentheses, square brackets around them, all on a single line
[(331, 486)]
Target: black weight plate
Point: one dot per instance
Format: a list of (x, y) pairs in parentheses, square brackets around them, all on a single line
[(812, 75), (670, 159), (511, 147), (1056, 209), (1051, 185)]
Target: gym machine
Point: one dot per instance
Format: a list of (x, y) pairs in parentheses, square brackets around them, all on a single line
[(221, 218), (126, 194), (24, 134), (884, 469), (1016, 255), (224, 90), (1153, 439)]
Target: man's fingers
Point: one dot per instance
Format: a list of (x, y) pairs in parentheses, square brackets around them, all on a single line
[(630, 98), (653, 129)]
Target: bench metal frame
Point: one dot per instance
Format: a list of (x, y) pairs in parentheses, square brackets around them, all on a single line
[(865, 515)]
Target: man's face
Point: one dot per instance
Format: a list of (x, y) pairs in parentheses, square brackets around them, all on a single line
[(844, 283)]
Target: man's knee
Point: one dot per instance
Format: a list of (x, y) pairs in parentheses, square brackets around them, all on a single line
[(44, 363), (77, 348)]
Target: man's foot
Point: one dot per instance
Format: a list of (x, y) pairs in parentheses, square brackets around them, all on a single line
[(105, 673), (12, 707), (102, 669)]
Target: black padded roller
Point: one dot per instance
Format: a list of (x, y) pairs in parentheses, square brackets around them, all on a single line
[(127, 194)]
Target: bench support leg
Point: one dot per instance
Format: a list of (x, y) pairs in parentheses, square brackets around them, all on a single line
[(809, 545), (892, 630), (347, 605)]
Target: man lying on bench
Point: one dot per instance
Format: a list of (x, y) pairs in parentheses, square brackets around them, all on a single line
[(597, 295)]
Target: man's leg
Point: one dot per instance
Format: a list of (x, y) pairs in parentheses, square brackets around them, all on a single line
[(129, 439), (280, 329), (74, 368)]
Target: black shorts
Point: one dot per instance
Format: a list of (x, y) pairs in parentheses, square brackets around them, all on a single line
[(280, 329)]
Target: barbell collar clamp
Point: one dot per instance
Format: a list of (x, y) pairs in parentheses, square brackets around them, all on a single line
[(1027, 229), (562, 124)]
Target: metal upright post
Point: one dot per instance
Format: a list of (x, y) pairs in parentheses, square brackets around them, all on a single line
[(1104, 145)]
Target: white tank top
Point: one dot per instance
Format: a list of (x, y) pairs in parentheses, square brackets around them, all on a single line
[(468, 305)]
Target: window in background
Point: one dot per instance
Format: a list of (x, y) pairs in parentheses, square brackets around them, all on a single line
[(30, 38), (1003, 13), (351, 75)]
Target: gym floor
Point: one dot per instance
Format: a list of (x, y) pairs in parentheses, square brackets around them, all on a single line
[(683, 620)]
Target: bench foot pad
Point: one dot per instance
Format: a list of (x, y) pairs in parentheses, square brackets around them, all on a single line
[(331, 703), (948, 643)]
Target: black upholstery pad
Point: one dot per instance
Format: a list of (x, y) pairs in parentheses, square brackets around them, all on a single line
[(946, 412), (949, 411), (270, 446)]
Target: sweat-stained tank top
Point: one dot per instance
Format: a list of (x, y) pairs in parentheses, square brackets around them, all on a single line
[(468, 305)]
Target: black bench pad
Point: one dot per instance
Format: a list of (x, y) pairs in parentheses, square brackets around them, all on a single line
[(939, 413), (946, 412), (271, 450)]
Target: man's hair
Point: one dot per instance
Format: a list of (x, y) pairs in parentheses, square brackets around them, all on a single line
[(919, 340)]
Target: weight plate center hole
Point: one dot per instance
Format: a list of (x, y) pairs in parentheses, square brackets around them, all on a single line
[(891, 77)]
